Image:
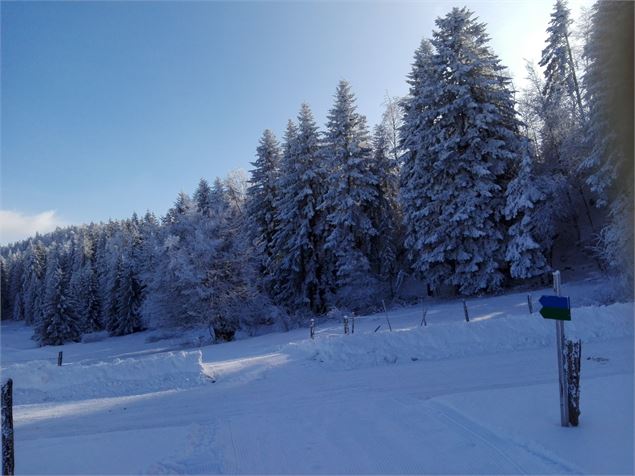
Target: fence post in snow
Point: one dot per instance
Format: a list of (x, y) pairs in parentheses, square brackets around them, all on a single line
[(383, 303), (573, 356), (423, 319), (467, 316), (345, 325), (312, 329), (352, 324), (59, 358), (8, 461), (530, 305)]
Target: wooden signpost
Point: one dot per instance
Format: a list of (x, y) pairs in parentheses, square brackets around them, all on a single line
[(559, 309)]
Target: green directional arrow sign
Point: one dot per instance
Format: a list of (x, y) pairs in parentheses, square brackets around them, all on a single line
[(556, 313)]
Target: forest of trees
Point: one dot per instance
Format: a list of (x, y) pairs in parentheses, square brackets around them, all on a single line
[(466, 185)]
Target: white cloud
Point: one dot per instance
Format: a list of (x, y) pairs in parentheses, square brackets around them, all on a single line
[(16, 226)]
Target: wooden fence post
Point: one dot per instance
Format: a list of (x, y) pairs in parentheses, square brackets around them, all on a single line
[(8, 462), (530, 304), (345, 325), (383, 303), (59, 358), (467, 316), (312, 329), (353, 325), (573, 357), (423, 319)]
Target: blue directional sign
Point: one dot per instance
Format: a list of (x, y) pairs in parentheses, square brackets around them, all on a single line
[(555, 307), (554, 301)]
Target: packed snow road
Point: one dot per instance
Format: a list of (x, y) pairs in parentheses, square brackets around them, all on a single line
[(281, 403)]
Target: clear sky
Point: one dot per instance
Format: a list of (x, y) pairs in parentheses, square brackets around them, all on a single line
[(115, 107)]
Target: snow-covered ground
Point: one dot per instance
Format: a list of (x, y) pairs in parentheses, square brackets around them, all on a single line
[(452, 397)]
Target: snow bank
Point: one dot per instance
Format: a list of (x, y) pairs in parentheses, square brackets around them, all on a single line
[(41, 381), (454, 340)]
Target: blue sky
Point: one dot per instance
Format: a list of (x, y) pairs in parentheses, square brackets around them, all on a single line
[(115, 107)]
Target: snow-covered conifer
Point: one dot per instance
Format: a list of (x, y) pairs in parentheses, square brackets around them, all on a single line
[(296, 268), (261, 197), (524, 254), (561, 82), (4, 289), (58, 324), (127, 300), (414, 180), (33, 281), (460, 138), (350, 199), (386, 215), (203, 197)]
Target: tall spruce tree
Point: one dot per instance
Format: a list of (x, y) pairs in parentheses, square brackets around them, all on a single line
[(58, 324), (561, 82), (351, 198), (128, 299), (261, 198), (297, 274), (460, 159), (15, 288), (203, 197), (386, 214), (414, 181), (33, 281)]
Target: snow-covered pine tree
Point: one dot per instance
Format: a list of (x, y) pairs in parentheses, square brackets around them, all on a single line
[(15, 288), (84, 285), (462, 158), (163, 305), (296, 268), (350, 200), (4, 290), (414, 179), (57, 324), (149, 230), (386, 215), (261, 198), (181, 206), (92, 308), (219, 197), (33, 281), (524, 254), (107, 253), (128, 299), (561, 82), (203, 197)]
